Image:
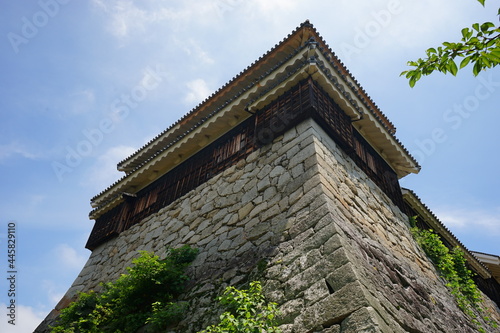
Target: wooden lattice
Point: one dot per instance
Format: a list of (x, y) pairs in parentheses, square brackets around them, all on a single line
[(305, 100)]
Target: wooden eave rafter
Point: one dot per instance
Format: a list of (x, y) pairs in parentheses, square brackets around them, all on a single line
[(302, 54), (198, 137), (428, 217), (367, 122), (491, 261)]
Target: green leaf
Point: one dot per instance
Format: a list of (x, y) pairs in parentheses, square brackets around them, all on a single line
[(476, 26), (452, 67), (477, 68), (495, 52), (481, 2), (486, 25), (493, 58), (464, 62), (486, 61), (412, 82), (465, 32)]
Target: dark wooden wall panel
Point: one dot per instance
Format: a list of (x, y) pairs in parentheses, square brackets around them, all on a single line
[(305, 100)]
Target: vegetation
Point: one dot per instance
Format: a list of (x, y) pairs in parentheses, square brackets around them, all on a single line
[(451, 264), (480, 46), (145, 295), (247, 312)]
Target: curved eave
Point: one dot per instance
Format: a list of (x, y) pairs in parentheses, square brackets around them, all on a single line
[(110, 205), (424, 212), (374, 129), (248, 77), (295, 70), (491, 261), (252, 74), (206, 132), (302, 54)]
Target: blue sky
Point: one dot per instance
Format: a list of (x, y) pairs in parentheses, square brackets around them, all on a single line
[(84, 84)]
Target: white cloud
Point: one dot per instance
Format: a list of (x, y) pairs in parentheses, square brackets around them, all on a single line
[(54, 292), (470, 219), (198, 90), (82, 101), (104, 172), (69, 257), (126, 16), (27, 319), (16, 148), (193, 49)]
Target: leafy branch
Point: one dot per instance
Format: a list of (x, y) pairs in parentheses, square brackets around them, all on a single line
[(247, 312), (480, 46), (452, 266), (146, 295)]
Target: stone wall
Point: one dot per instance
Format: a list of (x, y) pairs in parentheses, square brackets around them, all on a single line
[(332, 249)]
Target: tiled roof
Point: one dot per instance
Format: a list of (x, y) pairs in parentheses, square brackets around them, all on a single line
[(247, 88), (139, 157), (432, 220)]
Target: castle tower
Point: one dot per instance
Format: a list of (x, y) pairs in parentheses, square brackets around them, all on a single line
[(288, 173)]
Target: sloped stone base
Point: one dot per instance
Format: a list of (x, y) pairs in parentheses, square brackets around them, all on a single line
[(330, 247)]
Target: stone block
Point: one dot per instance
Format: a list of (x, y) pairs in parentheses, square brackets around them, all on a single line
[(238, 185), (267, 237), (270, 193), (277, 171), (234, 232), (315, 293), (301, 155), (258, 209), (306, 278), (270, 212), (283, 181), (226, 245), (290, 310), (332, 309), (263, 184), (245, 210), (250, 193), (264, 171), (297, 170), (257, 231), (245, 248), (238, 241), (342, 276)]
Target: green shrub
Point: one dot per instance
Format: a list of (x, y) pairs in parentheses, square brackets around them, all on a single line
[(452, 266), (247, 312), (146, 294)]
